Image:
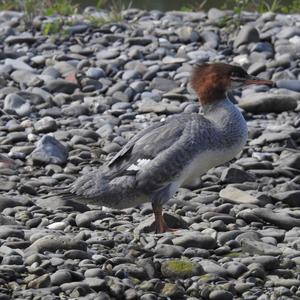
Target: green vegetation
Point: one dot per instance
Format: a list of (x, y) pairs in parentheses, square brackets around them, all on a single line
[(37, 7), (261, 6), (33, 8), (61, 7), (52, 27), (114, 12), (180, 266)]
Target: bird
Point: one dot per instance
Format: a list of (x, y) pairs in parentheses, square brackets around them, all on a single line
[(175, 151)]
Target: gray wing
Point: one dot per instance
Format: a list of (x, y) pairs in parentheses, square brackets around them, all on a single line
[(158, 154), (151, 160)]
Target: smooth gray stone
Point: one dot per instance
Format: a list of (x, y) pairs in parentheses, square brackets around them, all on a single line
[(4, 220), (61, 86), (171, 251), (40, 282), (49, 150), (276, 233), (140, 41), (7, 201), (11, 231), (187, 34), (75, 110), (266, 103), (293, 85), (54, 202), (95, 272), (235, 269), (18, 64), (215, 14), (291, 198), (55, 242), (288, 32), (61, 276), (78, 28), (248, 34), (269, 262), (282, 220), (46, 124), (35, 97), (259, 248), (212, 267), (195, 239), (131, 270), (292, 160), (95, 73), (24, 76), (289, 282), (235, 175), (210, 39), (85, 219), (256, 68), (19, 39), (14, 103), (220, 295), (163, 84)]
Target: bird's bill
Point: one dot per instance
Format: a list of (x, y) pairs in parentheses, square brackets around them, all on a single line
[(257, 80)]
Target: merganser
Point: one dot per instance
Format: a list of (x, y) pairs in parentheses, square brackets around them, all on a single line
[(174, 152)]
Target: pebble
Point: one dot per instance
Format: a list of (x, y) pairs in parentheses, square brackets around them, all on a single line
[(180, 269), (248, 34), (260, 248), (15, 104), (235, 175), (264, 103), (236, 195), (49, 150), (195, 239)]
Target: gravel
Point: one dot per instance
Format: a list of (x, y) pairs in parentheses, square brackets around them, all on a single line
[(70, 102)]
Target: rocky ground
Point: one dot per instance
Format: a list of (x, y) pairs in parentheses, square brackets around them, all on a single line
[(70, 101)]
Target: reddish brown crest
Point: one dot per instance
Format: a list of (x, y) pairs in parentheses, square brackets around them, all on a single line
[(210, 81)]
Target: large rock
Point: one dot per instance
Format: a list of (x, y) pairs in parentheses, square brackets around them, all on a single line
[(291, 198), (61, 86), (56, 202), (49, 150), (235, 175), (16, 104), (181, 268), (236, 195), (248, 34), (54, 243), (195, 239), (259, 248), (266, 103)]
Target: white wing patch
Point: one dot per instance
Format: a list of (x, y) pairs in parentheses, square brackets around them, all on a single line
[(141, 163)]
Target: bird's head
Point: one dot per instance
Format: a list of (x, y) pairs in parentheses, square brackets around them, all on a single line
[(212, 81)]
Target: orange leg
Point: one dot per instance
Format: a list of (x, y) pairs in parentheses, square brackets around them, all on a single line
[(160, 223)]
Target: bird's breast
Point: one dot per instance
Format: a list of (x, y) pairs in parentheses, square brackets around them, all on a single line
[(205, 160)]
